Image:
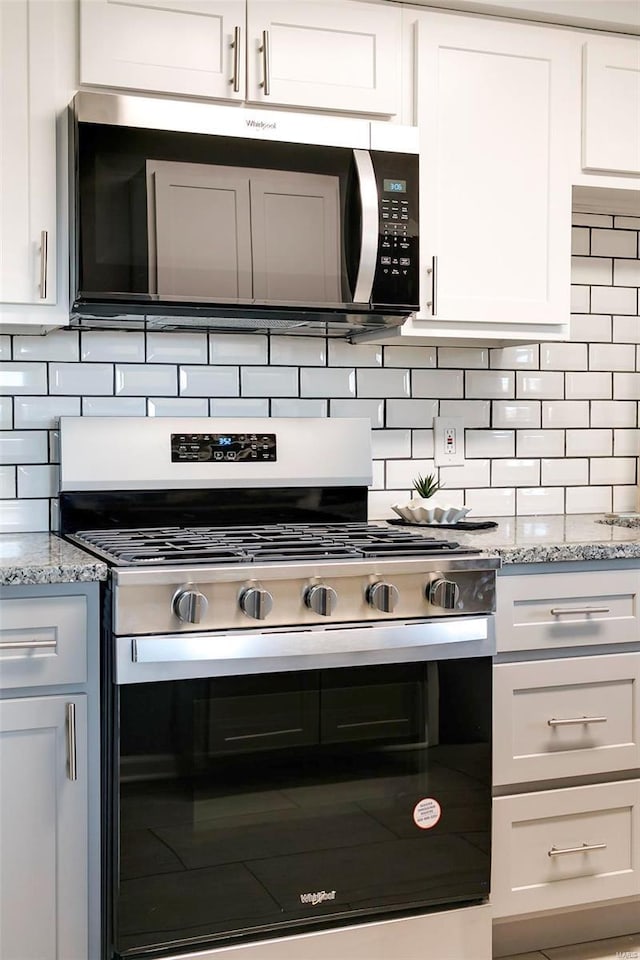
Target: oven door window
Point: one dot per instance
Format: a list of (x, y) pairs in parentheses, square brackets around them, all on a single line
[(252, 805)]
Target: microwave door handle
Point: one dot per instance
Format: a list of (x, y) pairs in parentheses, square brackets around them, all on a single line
[(369, 237)]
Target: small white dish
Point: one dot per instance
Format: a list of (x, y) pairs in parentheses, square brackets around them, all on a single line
[(417, 511)]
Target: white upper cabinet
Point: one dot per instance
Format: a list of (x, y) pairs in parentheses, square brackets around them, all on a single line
[(336, 55), (495, 212), (27, 153), (611, 106)]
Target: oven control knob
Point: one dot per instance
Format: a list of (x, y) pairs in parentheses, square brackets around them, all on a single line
[(190, 606), (383, 596), (443, 593), (321, 599), (256, 603)]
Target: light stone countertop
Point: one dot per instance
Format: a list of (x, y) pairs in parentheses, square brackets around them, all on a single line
[(38, 558)]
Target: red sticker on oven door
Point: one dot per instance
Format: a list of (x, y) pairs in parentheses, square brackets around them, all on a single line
[(426, 813)]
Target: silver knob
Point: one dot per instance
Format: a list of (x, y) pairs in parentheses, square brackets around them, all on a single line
[(383, 596), (321, 599), (443, 593), (256, 603), (190, 606)]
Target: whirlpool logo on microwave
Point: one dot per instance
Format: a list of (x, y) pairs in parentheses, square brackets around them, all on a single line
[(261, 124), (319, 897)]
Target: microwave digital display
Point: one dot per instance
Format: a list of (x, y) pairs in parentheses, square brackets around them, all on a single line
[(394, 186)]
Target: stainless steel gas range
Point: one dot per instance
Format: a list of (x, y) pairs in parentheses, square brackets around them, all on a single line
[(296, 704)]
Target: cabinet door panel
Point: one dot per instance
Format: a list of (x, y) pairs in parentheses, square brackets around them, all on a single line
[(611, 105), (160, 45), (43, 831), (332, 56), (27, 153)]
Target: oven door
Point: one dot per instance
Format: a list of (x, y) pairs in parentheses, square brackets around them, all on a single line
[(267, 803)]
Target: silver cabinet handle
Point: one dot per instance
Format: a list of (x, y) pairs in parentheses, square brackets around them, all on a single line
[(235, 46), (26, 644), (72, 768), (559, 611), (575, 720), (585, 848), (433, 270), (266, 63), (44, 258), (369, 226)]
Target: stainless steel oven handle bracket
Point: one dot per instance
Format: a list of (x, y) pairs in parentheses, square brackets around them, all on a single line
[(369, 236)]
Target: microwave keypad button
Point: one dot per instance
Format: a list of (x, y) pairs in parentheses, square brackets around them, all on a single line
[(385, 259), (404, 261), (395, 272)]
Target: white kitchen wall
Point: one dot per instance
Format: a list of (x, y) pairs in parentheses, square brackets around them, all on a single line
[(550, 428)]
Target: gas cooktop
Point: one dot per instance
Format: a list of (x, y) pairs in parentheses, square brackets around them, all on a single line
[(277, 543)]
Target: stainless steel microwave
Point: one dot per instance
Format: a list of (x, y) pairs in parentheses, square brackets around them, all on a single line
[(193, 215)]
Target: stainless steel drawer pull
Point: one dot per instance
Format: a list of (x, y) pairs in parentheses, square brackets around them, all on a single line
[(26, 644), (559, 611), (235, 45), (585, 848), (266, 63), (44, 258), (579, 720), (433, 270), (72, 769)]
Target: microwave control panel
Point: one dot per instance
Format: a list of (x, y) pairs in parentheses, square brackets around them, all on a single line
[(396, 275), (222, 447)]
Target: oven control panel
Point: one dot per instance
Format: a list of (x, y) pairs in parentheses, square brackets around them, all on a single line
[(222, 447)]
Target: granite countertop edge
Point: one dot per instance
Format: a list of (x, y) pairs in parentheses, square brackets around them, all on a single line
[(33, 559)]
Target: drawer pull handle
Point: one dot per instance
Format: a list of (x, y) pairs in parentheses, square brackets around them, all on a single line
[(235, 45), (27, 644), (44, 262), (72, 769), (570, 720), (266, 63), (559, 611), (555, 852)]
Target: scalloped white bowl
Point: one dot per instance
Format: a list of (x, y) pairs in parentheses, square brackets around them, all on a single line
[(416, 512)]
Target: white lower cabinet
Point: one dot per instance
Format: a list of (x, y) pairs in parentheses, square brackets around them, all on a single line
[(560, 848)]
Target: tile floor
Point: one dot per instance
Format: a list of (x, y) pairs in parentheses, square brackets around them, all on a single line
[(617, 948)]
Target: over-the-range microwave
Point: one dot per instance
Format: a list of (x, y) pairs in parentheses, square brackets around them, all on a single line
[(194, 215)]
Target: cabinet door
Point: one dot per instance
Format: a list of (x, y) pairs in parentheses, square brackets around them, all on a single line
[(611, 105), (495, 190), (27, 153), (43, 829), (333, 56), (187, 47)]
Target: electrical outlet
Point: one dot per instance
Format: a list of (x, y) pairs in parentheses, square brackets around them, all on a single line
[(448, 441)]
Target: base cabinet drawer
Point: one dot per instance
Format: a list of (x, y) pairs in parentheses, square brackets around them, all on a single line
[(573, 717), (561, 848), (560, 610), (43, 641)]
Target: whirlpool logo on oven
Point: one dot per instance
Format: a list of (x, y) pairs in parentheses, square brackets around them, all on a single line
[(319, 897)]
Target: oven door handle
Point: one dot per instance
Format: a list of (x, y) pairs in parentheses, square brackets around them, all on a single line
[(190, 654), (369, 203)]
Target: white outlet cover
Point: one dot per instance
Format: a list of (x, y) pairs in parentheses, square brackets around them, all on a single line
[(448, 441)]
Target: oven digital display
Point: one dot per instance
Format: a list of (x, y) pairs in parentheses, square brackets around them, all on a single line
[(222, 447)]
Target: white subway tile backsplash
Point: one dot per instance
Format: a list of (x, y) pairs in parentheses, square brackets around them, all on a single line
[(612, 470), (58, 345), (515, 473), (5, 347), (177, 407), (489, 384), (632, 223), (474, 473), (343, 354), (525, 357), (491, 503), (614, 243), (211, 381), (535, 501), (623, 300), (271, 382), (565, 472), (44, 412), (463, 358), (372, 410), (541, 385), (565, 413), (378, 473), (23, 446), (437, 383), (611, 356), (626, 273), (112, 346), (340, 382), (580, 299), (626, 443), (626, 386), (24, 516), (489, 443), (592, 220), (474, 413), (380, 502), (54, 446), (626, 329), (18, 377), (238, 348), (7, 483), (239, 407), (591, 270), (625, 498), (298, 351), (515, 413), (383, 383), (393, 445), (114, 407), (38, 480), (78, 379), (580, 241), (423, 444), (588, 500), (298, 408), (143, 380), (402, 473), (588, 386), (563, 356), (614, 413), (540, 443), (410, 413), (6, 413), (590, 328), (177, 348), (589, 443), (410, 357)]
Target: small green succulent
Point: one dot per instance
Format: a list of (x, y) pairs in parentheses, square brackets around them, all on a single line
[(427, 486)]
